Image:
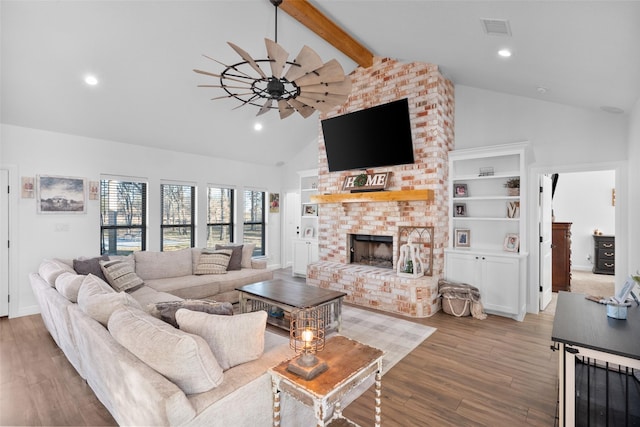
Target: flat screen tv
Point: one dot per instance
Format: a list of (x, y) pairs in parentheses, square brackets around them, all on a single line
[(373, 137)]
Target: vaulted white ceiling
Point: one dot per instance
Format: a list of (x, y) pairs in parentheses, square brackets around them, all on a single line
[(585, 53)]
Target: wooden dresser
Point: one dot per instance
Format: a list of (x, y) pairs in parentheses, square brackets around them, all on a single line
[(561, 256), (604, 255)]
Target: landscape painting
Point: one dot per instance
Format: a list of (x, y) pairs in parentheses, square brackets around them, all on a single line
[(57, 194)]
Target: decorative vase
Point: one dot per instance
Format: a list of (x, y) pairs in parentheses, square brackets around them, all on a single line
[(513, 191)]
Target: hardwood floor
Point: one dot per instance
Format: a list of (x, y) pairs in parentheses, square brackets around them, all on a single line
[(493, 372)]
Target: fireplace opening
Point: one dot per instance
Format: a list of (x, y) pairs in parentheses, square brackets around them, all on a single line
[(375, 251)]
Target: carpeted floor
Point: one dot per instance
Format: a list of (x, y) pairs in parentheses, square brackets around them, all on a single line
[(585, 282), (396, 337)]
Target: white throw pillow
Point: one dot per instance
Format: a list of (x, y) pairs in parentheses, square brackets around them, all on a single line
[(184, 359), (120, 275), (98, 300), (233, 339), (68, 285)]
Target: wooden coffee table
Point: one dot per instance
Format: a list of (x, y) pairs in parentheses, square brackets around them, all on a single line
[(272, 295)]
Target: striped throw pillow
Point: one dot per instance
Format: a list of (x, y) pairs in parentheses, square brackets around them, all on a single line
[(214, 262), (120, 275)]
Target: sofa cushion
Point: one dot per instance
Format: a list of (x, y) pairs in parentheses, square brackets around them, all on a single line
[(120, 275), (166, 311), (235, 263), (90, 266), (68, 285), (98, 300), (233, 339), (214, 262), (158, 265), (50, 269), (247, 254), (184, 359), (146, 295)]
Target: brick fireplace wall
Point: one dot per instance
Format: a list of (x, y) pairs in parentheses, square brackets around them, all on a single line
[(431, 107)]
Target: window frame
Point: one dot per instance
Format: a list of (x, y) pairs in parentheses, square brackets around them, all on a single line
[(262, 223), (231, 224), (192, 224)]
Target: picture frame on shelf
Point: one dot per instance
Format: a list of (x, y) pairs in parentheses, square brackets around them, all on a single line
[(459, 209), (460, 190), (310, 210), (308, 233), (462, 238), (512, 242)]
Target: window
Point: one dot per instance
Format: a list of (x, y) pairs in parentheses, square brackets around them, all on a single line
[(219, 216), (254, 225), (178, 216), (123, 216)]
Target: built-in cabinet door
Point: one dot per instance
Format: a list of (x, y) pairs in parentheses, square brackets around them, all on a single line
[(500, 277), (304, 253), (463, 268)]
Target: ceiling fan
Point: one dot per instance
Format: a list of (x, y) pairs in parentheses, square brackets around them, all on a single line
[(307, 85)]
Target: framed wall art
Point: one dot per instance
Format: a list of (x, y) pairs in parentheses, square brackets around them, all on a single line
[(61, 194)]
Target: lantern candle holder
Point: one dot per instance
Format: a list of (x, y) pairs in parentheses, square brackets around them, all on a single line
[(409, 263), (306, 338)]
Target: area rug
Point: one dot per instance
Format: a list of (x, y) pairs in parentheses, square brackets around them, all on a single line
[(396, 337)]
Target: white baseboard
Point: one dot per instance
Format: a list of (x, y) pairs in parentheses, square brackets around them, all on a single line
[(27, 311)]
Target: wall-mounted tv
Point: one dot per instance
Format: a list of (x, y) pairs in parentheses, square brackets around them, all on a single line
[(373, 137)]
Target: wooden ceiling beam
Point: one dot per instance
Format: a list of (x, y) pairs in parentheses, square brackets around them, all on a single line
[(309, 16)]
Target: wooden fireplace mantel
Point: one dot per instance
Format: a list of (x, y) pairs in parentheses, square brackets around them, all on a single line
[(374, 196)]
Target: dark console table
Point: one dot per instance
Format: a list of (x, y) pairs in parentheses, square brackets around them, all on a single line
[(581, 329)]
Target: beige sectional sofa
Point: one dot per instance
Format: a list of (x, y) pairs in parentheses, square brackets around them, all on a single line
[(113, 341)]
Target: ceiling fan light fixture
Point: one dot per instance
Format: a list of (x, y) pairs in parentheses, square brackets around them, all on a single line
[(307, 85)]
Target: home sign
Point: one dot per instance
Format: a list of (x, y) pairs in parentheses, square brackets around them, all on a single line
[(366, 181)]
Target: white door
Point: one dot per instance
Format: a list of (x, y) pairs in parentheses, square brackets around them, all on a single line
[(4, 243), (544, 205), (291, 225)]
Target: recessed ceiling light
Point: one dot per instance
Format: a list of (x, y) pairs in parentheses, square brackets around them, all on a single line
[(505, 53), (91, 80), (257, 126), (542, 90), (612, 110)]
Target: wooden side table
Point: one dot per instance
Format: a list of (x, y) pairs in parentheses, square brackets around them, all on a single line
[(350, 364)]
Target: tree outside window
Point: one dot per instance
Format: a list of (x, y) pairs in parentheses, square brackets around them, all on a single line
[(219, 216), (178, 215), (123, 216), (254, 220)]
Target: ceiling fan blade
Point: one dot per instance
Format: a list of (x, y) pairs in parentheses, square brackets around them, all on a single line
[(230, 96), (329, 73), (329, 98), (307, 61), (206, 73), (244, 55), (302, 109), (314, 103), (278, 57), (285, 109), (226, 87), (266, 107), (336, 88), (227, 66)]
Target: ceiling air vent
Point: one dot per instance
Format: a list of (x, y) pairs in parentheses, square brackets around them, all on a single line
[(496, 27)]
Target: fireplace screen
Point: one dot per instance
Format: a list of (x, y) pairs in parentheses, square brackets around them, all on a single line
[(376, 251)]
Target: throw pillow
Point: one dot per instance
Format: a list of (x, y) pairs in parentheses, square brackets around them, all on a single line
[(167, 310), (50, 269), (247, 254), (120, 275), (233, 339), (68, 284), (90, 266), (98, 300), (235, 262), (184, 359), (215, 262)]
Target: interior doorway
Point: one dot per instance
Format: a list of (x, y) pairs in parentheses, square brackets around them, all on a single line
[(4, 242)]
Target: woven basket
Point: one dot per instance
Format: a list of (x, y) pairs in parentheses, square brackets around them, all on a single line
[(456, 306)]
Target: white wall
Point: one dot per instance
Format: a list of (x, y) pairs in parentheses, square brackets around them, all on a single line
[(584, 199), (634, 190), (34, 236)]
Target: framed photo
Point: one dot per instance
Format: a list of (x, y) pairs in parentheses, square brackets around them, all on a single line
[(308, 232), (460, 190), (94, 188), (512, 243), (462, 238), (61, 194), (310, 210), (459, 209), (28, 187), (274, 202)]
